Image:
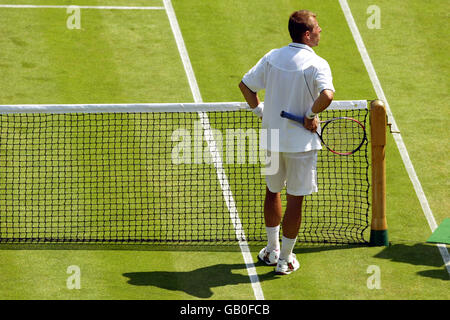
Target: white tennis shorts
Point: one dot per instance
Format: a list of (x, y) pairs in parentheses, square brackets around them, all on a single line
[(297, 171)]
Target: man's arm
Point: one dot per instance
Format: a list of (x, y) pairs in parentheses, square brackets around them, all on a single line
[(249, 96), (320, 104), (323, 101)]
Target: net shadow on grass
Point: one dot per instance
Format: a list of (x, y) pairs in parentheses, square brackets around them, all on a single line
[(417, 254)]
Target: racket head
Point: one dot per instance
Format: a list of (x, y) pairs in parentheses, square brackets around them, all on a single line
[(343, 136)]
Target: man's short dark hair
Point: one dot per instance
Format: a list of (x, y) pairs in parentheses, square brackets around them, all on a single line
[(300, 22)]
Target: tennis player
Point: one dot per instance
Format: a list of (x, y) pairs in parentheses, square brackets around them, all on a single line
[(296, 80)]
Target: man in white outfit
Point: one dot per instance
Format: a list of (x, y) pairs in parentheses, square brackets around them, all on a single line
[(300, 82)]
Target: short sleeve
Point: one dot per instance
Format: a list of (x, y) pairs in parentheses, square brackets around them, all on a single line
[(255, 78), (323, 78)]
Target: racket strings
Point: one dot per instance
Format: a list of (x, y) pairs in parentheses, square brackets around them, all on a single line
[(343, 135)]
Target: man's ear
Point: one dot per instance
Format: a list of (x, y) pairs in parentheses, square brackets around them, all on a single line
[(307, 35)]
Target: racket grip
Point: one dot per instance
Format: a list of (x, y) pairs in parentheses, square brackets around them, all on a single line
[(291, 116)]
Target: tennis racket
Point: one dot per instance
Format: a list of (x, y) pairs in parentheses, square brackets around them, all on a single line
[(343, 135)]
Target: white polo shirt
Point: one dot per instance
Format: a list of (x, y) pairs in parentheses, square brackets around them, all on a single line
[(293, 77)]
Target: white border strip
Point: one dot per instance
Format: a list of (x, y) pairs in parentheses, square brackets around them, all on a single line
[(153, 107), (347, 105), (123, 108), (395, 131), (32, 6), (228, 196)]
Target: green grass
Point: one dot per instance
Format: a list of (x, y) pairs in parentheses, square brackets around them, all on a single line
[(416, 85), (132, 57), (125, 54)]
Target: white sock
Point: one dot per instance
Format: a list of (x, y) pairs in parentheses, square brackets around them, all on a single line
[(273, 238), (287, 246)]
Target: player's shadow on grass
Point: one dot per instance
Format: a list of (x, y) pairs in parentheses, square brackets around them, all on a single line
[(198, 283)]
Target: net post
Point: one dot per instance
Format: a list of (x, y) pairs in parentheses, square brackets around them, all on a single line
[(378, 124)]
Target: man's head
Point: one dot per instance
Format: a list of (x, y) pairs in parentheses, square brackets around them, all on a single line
[(304, 28)]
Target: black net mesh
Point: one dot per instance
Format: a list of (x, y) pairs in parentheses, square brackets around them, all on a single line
[(151, 177)]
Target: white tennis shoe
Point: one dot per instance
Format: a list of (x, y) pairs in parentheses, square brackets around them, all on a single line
[(269, 258), (288, 266)]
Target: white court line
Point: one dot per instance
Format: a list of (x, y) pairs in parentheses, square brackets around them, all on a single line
[(227, 194), (395, 131), (32, 6)]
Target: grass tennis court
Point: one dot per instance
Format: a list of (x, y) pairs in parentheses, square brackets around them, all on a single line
[(130, 56)]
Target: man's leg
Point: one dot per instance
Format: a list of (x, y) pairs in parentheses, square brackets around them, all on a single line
[(272, 216), (301, 181), (291, 222), (293, 216), (272, 209), (291, 225)]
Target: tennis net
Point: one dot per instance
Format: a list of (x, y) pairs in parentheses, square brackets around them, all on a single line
[(160, 173)]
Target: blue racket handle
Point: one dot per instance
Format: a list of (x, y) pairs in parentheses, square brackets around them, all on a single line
[(291, 116)]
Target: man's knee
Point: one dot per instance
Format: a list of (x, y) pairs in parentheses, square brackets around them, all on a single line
[(272, 195), (294, 200)]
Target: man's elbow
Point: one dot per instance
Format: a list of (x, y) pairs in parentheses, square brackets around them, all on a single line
[(244, 89), (328, 95)]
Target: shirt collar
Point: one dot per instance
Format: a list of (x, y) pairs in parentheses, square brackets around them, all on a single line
[(300, 46)]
